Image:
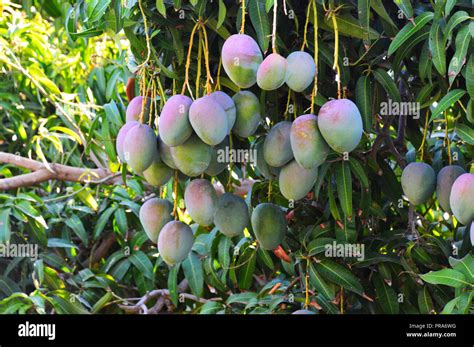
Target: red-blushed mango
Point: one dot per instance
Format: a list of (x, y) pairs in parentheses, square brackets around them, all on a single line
[(269, 225), (340, 124), (158, 173), (303, 312), (174, 124), (295, 181), (208, 120), (200, 199), (277, 146), (175, 242), (165, 153), (121, 138), (192, 157), (272, 72), (241, 57), (232, 215), (134, 109), (228, 104), (301, 71), (444, 183), (269, 172), (418, 182), (154, 214), (248, 116), (139, 147), (308, 145), (462, 198), (218, 165)]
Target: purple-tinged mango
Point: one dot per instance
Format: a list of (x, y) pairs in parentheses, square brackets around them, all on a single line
[(444, 183), (134, 109), (462, 198), (269, 172), (418, 182), (308, 145), (241, 57), (209, 120), (272, 72), (121, 138), (248, 116), (200, 199), (192, 157), (174, 124), (277, 146), (158, 173), (340, 124), (154, 214), (165, 153), (269, 225), (228, 104), (217, 164), (175, 242), (232, 215), (139, 147), (301, 71), (295, 181)]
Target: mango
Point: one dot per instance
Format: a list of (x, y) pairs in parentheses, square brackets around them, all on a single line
[(303, 312), (165, 153), (272, 71), (139, 147), (200, 199), (209, 120), (134, 109), (228, 104), (158, 173), (340, 124), (174, 124), (175, 242), (295, 181), (269, 225), (269, 172), (192, 157), (444, 183), (277, 146), (241, 57), (308, 145), (462, 198), (232, 215), (301, 71), (248, 116), (418, 182), (121, 139), (216, 166), (154, 214)]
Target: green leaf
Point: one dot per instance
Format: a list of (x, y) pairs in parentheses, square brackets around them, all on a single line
[(379, 8), (194, 274), (470, 77), (325, 289), (446, 101), (160, 6), (347, 26), (425, 65), (409, 30), (96, 9), (318, 245), (104, 300), (437, 47), (364, 94), (465, 266), (5, 231), (173, 283), (242, 298), (465, 133), (388, 84), (386, 296), (344, 187), (459, 58), (143, 264), (405, 7), (448, 277), (359, 171), (339, 275), (75, 223), (60, 243), (363, 10), (121, 220), (265, 258), (259, 19), (102, 221), (425, 303), (222, 14), (453, 22), (112, 84), (332, 203), (246, 268)]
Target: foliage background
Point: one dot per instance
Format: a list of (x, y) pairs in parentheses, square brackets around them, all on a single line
[(64, 67)]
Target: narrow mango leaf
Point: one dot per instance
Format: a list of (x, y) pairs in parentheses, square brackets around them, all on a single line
[(464, 265), (378, 7), (364, 95), (173, 283), (160, 6), (318, 245), (104, 300), (405, 7), (332, 203), (5, 230), (453, 22), (112, 84), (339, 275), (449, 6), (344, 187), (143, 264), (386, 296), (437, 47), (102, 221), (194, 274), (363, 10), (388, 84), (446, 101), (358, 170), (465, 133), (96, 9), (259, 19), (60, 243), (222, 14), (325, 289), (246, 268), (470, 77), (67, 131), (425, 303), (347, 26), (409, 30), (425, 65), (265, 258), (448, 277), (459, 58), (75, 223)]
